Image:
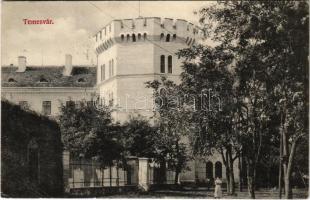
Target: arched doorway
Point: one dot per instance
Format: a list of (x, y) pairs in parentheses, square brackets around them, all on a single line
[(218, 169), (209, 170)]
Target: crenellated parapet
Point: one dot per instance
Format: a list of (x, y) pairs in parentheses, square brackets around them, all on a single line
[(146, 29)]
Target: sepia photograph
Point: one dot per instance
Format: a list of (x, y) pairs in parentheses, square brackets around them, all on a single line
[(155, 99)]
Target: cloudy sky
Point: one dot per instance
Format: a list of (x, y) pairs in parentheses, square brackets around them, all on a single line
[(74, 23)]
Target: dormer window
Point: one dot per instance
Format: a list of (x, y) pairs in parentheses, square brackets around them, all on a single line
[(11, 80), (81, 80), (43, 80)]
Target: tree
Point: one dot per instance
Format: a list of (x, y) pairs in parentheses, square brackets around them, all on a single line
[(269, 41), (88, 132), (169, 118), (139, 137), (209, 83)]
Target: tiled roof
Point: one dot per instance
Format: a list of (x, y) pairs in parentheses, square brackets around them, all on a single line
[(51, 76)]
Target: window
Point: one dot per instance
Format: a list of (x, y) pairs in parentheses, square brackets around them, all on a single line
[(218, 169), (110, 70), (193, 42), (102, 72), (187, 39), (133, 37), (46, 107), (162, 64), (144, 24), (112, 65), (170, 64), (209, 170), (43, 80), (122, 37), (110, 28), (105, 31), (23, 104), (144, 36), (162, 36), (190, 41), (139, 36), (168, 38), (33, 160), (81, 80), (96, 37), (100, 33), (174, 36), (128, 37)]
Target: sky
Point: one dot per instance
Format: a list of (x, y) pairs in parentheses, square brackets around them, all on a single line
[(74, 24)]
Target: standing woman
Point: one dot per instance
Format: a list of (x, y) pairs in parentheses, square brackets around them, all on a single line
[(218, 188)]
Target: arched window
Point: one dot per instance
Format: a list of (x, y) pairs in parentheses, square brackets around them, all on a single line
[(139, 36), (162, 36), (144, 36), (170, 64), (128, 37), (209, 170), (168, 38), (102, 72), (122, 37), (33, 160), (112, 64), (190, 41), (133, 37), (174, 37), (218, 169), (162, 64), (193, 42)]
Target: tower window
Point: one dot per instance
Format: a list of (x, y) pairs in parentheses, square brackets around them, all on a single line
[(139, 36), (133, 37), (46, 107), (128, 37), (162, 64), (190, 41), (193, 42), (145, 22), (122, 37), (102, 72), (170, 64), (168, 38), (110, 69), (144, 36), (174, 37), (162, 36), (112, 66)]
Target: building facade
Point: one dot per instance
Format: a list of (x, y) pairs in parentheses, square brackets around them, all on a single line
[(129, 52)]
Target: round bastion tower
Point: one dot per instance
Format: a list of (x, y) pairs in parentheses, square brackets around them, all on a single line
[(131, 52)]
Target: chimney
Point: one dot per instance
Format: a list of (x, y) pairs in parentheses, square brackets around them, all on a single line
[(68, 65), (21, 64)]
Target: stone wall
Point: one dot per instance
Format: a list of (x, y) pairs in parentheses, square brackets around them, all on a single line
[(31, 151)]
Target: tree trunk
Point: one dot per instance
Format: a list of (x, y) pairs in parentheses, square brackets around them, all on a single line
[(287, 166), (280, 166), (231, 173), (251, 180), (176, 177), (240, 173)]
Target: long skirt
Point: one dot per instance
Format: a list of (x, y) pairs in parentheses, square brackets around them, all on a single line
[(218, 191)]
